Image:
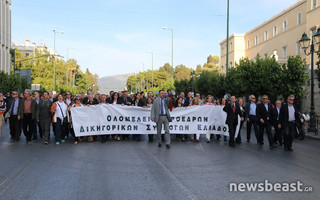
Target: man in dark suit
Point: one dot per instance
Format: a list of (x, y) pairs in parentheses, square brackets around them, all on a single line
[(251, 118), (288, 117), (29, 115), (160, 114), (276, 121), (264, 115), (188, 101), (15, 109), (86, 99), (233, 111), (125, 99)]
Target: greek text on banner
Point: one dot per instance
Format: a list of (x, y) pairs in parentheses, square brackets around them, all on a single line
[(117, 119)]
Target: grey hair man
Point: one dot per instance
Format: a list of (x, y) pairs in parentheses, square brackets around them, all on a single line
[(160, 114), (288, 116), (251, 117)]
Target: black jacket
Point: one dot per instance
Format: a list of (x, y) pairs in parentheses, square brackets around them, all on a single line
[(262, 113), (232, 117), (275, 116), (284, 115), (126, 101)]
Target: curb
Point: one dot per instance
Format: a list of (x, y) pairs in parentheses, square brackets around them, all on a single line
[(308, 135)]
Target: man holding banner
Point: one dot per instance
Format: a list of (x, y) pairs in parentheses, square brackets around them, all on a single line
[(160, 114)]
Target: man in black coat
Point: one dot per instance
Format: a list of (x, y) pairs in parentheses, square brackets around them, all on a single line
[(188, 100), (276, 121), (251, 118), (233, 111), (125, 99), (264, 115), (288, 117)]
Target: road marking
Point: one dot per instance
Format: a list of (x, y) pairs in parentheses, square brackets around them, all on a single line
[(8, 181), (167, 170)]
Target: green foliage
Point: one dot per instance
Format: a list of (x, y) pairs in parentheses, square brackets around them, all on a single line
[(263, 76), (182, 72), (42, 70), (10, 82), (212, 64), (294, 77)]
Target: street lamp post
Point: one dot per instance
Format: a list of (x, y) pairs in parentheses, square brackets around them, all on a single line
[(166, 28), (227, 55), (192, 79), (54, 58), (152, 67), (67, 78), (305, 42)]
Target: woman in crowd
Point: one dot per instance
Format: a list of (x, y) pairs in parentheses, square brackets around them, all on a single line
[(209, 102), (195, 102), (243, 114), (89, 102), (140, 103), (149, 102), (3, 108), (114, 101), (179, 104), (60, 119), (103, 100), (222, 104), (77, 103)]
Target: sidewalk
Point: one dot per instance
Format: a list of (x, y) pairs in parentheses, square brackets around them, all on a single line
[(313, 135)]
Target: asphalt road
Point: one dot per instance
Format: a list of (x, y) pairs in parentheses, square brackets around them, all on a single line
[(141, 170)]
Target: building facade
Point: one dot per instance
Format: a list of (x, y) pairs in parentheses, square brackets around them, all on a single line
[(277, 36), (5, 35)]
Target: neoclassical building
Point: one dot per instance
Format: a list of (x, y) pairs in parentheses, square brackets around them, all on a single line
[(277, 36), (5, 35)]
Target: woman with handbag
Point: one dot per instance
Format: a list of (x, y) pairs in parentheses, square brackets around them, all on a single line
[(60, 119)]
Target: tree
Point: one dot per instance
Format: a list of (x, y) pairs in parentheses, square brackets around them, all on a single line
[(10, 82), (294, 77), (166, 68), (212, 64), (182, 72), (41, 66)]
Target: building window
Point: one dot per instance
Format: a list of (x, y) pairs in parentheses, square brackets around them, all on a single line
[(285, 26), (266, 35), (314, 4), (256, 40), (284, 52), (299, 18), (274, 31), (231, 46), (298, 48), (248, 44), (27, 54)]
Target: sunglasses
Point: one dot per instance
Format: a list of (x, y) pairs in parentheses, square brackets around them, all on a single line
[(14, 93), (265, 98), (291, 99)]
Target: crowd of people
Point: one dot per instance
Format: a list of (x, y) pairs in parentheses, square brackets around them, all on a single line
[(36, 114)]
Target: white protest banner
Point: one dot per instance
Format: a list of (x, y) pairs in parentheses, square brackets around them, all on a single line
[(117, 119)]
